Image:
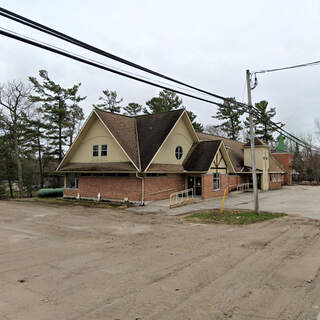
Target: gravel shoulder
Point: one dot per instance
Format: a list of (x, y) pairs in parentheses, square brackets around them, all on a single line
[(62, 262)]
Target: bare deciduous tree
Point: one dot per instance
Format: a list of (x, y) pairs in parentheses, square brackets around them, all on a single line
[(14, 104)]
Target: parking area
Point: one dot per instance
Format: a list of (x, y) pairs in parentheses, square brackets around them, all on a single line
[(302, 200), (74, 262)]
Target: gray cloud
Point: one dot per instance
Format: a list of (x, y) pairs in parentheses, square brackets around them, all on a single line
[(206, 43)]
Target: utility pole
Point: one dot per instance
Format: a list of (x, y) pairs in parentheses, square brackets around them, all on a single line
[(252, 143)]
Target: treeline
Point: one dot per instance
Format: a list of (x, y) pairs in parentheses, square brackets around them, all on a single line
[(39, 120)]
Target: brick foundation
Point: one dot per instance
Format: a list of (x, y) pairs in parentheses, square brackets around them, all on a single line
[(114, 188), (159, 188), (234, 180), (207, 186), (275, 184), (118, 188), (285, 160)]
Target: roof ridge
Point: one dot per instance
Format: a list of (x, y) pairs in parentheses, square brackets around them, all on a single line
[(217, 136), (153, 114), (117, 114)]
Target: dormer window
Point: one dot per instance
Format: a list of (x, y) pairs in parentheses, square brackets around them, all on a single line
[(104, 150), (179, 152), (95, 151)]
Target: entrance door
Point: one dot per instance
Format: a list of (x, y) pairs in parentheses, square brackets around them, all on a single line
[(198, 186), (195, 184)]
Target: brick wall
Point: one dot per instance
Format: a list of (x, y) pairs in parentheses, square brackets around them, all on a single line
[(70, 192), (118, 188), (234, 180), (275, 185), (207, 186), (158, 188), (285, 160)]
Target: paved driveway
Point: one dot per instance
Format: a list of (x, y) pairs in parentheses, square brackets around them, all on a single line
[(304, 200)]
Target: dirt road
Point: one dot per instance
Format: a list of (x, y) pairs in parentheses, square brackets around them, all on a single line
[(82, 263)]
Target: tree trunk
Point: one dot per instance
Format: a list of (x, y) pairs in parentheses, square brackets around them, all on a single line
[(40, 161), (9, 181), (19, 165)]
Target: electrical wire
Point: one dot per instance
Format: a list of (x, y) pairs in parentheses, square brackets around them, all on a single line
[(95, 64), (308, 64), (10, 15)]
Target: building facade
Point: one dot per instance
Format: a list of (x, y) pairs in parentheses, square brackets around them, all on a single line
[(149, 157)]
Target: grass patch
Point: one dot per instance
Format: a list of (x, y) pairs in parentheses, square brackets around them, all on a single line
[(232, 216), (83, 203)]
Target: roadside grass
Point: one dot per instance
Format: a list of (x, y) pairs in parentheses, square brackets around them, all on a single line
[(232, 216), (74, 202)]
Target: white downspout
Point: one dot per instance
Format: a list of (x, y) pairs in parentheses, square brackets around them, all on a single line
[(142, 188)]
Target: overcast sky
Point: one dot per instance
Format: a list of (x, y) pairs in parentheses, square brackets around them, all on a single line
[(209, 44)]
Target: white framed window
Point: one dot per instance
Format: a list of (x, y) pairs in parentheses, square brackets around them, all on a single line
[(95, 150), (273, 177), (216, 181), (104, 150), (179, 152), (72, 181)]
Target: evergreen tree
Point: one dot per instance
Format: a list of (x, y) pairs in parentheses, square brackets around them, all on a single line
[(132, 109), (110, 102), (263, 127), (60, 109), (198, 127), (231, 116), (168, 101)]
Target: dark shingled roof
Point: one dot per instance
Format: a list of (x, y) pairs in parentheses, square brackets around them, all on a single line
[(152, 131), (123, 129), (101, 166), (234, 148), (202, 156), (257, 142)]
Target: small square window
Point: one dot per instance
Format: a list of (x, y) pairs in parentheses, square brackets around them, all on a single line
[(95, 150), (104, 150)]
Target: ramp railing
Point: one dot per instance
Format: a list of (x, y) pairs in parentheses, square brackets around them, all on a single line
[(181, 197)]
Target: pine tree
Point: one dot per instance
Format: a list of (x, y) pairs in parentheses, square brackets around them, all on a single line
[(60, 109), (198, 127), (110, 102), (232, 124), (132, 109), (168, 101), (264, 129)]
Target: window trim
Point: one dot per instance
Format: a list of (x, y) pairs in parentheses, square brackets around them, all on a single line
[(178, 152), (102, 151), (216, 178), (95, 150)]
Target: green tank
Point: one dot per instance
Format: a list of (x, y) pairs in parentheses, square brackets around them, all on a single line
[(45, 193)]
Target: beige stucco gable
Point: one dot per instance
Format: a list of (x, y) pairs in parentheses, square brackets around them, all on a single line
[(181, 135), (93, 133), (218, 164)]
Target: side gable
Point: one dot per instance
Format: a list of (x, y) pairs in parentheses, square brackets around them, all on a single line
[(182, 135), (222, 162), (92, 133)]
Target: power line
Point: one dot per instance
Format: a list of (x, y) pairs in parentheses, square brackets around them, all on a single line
[(13, 16), (97, 65), (35, 25), (308, 64)]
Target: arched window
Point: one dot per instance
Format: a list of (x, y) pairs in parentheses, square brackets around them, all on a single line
[(179, 152)]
